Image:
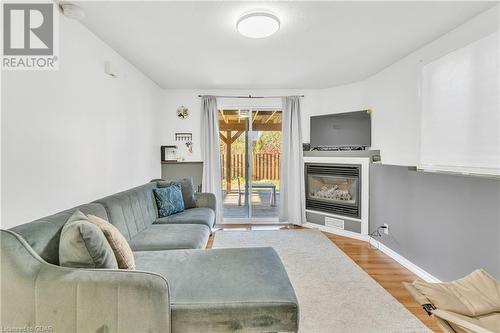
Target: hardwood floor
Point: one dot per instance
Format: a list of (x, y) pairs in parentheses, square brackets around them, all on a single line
[(383, 269)]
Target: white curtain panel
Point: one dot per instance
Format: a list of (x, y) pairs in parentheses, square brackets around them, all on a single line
[(211, 152), (292, 193)]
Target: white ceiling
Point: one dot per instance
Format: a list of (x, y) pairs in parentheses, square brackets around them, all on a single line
[(319, 45)]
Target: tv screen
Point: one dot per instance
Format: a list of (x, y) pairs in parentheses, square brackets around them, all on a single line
[(349, 129)]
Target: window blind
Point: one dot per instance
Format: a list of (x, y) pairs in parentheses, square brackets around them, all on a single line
[(460, 126)]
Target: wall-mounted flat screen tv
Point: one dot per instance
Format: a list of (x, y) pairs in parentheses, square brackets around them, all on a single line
[(349, 129)]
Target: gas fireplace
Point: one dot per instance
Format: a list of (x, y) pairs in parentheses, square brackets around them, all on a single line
[(333, 188)]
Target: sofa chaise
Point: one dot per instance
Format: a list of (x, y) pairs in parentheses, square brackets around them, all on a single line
[(177, 286)]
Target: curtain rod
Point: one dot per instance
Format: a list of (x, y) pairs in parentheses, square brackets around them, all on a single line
[(250, 96)]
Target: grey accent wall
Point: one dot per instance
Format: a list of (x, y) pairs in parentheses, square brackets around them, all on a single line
[(447, 225), (172, 171)]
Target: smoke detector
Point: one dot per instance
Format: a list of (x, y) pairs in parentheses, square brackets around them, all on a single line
[(72, 11)]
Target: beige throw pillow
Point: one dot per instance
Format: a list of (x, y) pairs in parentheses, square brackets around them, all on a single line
[(121, 248)]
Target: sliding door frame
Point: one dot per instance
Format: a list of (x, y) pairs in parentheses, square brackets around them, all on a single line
[(249, 170)]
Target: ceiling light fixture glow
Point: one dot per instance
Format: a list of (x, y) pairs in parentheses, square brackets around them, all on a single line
[(258, 24)]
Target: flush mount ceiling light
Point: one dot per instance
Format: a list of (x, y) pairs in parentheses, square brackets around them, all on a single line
[(258, 24)]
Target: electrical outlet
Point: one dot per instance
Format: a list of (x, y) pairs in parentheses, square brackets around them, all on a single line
[(386, 229)]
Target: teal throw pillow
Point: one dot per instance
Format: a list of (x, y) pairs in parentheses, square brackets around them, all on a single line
[(169, 200), (187, 190)]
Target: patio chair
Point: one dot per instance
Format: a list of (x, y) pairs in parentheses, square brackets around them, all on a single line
[(467, 305)]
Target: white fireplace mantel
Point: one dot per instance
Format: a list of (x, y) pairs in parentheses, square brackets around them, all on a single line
[(364, 162)]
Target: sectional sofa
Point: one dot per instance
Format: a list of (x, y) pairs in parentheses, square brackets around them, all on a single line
[(177, 286)]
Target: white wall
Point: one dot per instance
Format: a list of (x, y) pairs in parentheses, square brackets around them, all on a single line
[(173, 98), (394, 92), (74, 135), (315, 102)]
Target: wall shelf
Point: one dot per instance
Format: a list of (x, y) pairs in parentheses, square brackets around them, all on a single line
[(456, 173), (180, 162)]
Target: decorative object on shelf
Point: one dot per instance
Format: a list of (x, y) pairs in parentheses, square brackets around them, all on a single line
[(189, 146), (169, 153), (184, 137), (182, 112)]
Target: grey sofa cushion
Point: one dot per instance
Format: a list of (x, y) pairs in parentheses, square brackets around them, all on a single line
[(225, 290), (187, 190), (43, 235), (205, 216), (83, 245), (171, 237), (131, 211)]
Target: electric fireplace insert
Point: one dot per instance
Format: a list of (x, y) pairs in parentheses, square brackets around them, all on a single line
[(333, 188)]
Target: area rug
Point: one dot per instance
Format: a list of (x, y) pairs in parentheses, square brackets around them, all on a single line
[(335, 294)]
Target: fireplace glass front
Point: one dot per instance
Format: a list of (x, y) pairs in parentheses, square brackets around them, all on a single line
[(333, 188)]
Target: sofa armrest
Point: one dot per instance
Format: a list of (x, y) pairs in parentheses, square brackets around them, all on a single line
[(78, 300), (205, 200)]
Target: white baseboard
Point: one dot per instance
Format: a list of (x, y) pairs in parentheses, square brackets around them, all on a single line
[(337, 231), (389, 252), (405, 262)]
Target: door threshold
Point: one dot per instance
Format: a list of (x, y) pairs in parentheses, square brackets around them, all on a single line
[(253, 221)]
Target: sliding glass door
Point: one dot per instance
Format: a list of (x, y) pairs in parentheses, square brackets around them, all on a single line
[(250, 164), (234, 126), (265, 167)]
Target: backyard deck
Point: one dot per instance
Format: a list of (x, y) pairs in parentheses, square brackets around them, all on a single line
[(261, 205)]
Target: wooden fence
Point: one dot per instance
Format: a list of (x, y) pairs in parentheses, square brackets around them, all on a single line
[(265, 166)]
